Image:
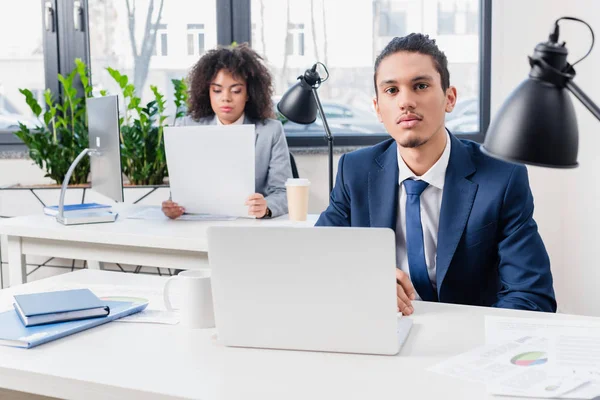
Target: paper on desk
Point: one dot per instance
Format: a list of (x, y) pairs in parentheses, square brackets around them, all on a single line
[(573, 344), (152, 317), (155, 213), (500, 329), (519, 367), (153, 296)]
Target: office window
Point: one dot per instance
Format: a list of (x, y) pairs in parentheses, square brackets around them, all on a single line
[(458, 17), (472, 19), (161, 47), (21, 65), (295, 40), (195, 39), (392, 19), (347, 39), (446, 14), (158, 43)]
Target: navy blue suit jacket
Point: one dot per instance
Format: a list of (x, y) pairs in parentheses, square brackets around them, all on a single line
[(489, 251)]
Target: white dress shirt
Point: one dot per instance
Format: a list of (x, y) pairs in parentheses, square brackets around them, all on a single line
[(431, 202), (239, 121)]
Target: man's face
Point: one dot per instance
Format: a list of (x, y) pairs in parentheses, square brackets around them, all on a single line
[(410, 100)]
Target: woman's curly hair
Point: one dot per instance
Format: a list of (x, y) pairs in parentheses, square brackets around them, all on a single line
[(242, 62)]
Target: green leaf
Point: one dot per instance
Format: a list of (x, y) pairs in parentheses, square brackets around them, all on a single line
[(47, 118), (62, 80), (135, 103), (31, 102), (116, 75), (49, 98), (83, 76)]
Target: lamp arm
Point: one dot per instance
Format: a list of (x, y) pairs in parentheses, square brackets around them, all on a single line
[(583, 98), (328, 136), (322, 113), (63, 189)]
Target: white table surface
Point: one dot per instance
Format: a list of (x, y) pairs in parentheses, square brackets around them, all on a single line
[(157, 243), (144, 361), (164, 234)]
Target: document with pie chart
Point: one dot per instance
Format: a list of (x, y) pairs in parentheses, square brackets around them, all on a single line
[(522, 367)]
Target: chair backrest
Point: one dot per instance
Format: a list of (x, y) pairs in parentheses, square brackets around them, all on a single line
[(295, 174)]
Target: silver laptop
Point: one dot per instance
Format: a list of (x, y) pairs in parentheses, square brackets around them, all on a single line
[(322, 289)]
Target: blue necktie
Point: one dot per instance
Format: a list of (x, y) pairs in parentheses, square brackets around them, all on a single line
[(414, 240)]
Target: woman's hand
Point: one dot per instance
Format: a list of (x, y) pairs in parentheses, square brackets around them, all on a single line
[(257, 205), (172, 209)]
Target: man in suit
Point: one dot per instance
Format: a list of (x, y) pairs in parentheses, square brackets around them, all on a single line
[(464, 223)]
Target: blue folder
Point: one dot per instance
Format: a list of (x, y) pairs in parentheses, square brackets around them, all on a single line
[(14, 333)]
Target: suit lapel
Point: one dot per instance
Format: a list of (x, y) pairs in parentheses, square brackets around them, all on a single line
[(457, 201), (383, 189)]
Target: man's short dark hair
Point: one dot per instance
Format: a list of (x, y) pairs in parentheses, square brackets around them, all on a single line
[(416, 43)]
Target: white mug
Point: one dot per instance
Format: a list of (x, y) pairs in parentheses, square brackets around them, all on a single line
[(196, 308)]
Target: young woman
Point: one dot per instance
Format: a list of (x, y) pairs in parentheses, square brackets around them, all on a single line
[(231, 85)]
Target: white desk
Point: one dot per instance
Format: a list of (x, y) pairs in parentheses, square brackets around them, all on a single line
[(143, 361), (154, 243)]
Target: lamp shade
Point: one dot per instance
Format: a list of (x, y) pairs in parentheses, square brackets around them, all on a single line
[(298, 103), (536, 125)]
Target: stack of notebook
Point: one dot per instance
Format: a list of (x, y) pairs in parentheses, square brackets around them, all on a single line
[(42, 317), (76, 208)]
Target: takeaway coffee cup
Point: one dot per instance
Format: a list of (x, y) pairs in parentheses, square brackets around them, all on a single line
[(297, 197)]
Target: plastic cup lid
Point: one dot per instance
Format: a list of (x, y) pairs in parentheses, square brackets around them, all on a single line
[(297, 182)]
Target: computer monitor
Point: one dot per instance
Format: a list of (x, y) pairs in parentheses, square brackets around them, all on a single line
[(104, 137)]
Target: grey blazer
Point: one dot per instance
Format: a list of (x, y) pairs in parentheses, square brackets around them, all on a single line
[(272, 160)]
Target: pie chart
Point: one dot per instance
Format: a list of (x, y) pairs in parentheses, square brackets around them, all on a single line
[(530, 358)]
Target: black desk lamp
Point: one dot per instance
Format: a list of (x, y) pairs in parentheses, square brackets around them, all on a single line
[(301, 102), (537, 125)]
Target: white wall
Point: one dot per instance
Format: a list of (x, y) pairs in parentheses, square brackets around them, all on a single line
[(24, 172), (565, 201)]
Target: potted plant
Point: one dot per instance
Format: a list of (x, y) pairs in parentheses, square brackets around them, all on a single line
[(55, 143), (62, 133), (142, 145)]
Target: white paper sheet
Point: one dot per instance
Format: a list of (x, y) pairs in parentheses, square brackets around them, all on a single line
[(155, 213), (572, 343), (152, 317), (211, 167), (514, 368), (500, 329)]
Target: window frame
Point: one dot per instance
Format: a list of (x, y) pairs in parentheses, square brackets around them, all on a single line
[(161, 45), (194, 32), (63, 45)]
